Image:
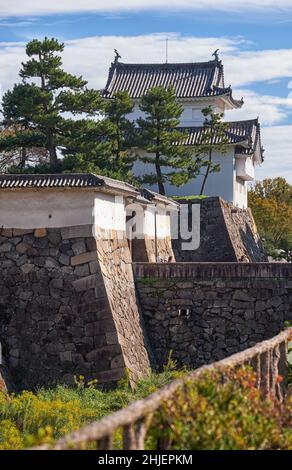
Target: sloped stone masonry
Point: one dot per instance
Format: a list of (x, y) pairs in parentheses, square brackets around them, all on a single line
[(228, 234), (116, 267)]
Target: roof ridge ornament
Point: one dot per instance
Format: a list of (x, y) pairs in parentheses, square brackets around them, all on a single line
[(216, 55), (117, 56)]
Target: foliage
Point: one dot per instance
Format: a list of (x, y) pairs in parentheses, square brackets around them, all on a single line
[(47, 109), (30, 419), (105, 148), (227, 414), (16, 155), (215, 412), (162, 142), (271, 204), (122, 134)]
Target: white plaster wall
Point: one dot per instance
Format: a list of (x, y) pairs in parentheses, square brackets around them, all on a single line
[(162, 222), (240, 193), (52, 208), (218, 184), (191, 115), (149, 221), (31, 208), (109, 212)]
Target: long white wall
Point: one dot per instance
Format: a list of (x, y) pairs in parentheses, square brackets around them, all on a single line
[(52, 208), (151, 220)]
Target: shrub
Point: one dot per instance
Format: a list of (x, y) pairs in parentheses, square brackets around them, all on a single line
[(227, 414)]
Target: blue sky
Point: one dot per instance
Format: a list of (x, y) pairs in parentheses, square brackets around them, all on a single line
[(254, 38)]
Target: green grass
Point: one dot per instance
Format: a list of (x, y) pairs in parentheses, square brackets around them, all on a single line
[(188, 198)]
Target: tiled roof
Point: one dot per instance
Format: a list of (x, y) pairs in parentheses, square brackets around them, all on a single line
[(244, 134), (119, 185), (50, 181), (86, 180), (150, 196), (190, 80)]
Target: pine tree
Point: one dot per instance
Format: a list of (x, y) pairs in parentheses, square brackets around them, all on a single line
[(108, 145), (39, 110), (162, 142), (122, 135)]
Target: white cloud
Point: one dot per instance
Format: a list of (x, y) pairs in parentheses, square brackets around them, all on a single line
[(41, 7), (91, 56), (270, 109), (256, 66), (11, 55), (278, 156)]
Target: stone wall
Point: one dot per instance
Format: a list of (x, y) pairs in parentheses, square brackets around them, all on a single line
[(148, 249), (163, 248), (57, 318), (116, 267), (228, 234), (203, 312)]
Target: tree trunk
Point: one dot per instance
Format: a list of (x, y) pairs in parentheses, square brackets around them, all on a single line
[(161, 189), (50, 136), (23, 156), (52, 152), (207, 173)]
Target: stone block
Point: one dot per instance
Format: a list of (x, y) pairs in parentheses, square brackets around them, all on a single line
[(91, 244), (51, 263), (40, 232), (79, 247), (17, 232), (86, 283), (94, 267), (113, 375), (243, 296), (83, 258), (99, 327), (57, 283), (64, 259), (82, 270), (5, 247), (6, 232), (27, 268), (117, 361), (54, 237), (111, 338), (66, 356), (22, 248), (79, 231)]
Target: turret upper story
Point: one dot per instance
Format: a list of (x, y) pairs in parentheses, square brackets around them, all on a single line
[(197, 85)]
